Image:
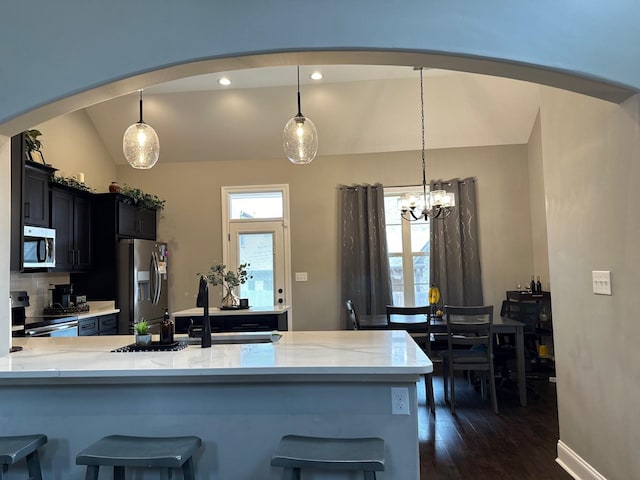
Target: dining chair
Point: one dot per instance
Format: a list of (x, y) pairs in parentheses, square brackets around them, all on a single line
[(469, 348), (419, 331), (352, 323)]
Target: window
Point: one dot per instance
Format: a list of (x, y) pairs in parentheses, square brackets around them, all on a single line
[(408, 245), (254, 232), (263, 204)]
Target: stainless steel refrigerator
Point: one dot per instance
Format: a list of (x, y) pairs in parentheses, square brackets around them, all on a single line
[(142, 283)]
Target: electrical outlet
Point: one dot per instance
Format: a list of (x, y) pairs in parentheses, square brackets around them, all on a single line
[(399, 401)]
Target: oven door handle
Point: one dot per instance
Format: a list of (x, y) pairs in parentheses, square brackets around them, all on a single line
[(41, 331)]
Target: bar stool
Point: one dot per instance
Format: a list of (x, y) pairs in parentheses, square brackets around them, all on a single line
[(120, 451), (295, 452), (13, 449)]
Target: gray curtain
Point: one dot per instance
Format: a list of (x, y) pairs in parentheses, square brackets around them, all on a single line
[(455, 249), (365, 277)]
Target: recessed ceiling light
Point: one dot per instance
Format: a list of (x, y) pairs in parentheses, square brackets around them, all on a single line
[(224, 81), (316, 76)]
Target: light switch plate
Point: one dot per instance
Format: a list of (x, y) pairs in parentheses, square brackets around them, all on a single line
[(301, 276), (601, 282)]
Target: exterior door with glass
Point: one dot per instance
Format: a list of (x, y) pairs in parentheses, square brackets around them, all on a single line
[(260, 244)]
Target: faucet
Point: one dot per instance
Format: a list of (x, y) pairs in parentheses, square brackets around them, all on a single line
[(203, 301)]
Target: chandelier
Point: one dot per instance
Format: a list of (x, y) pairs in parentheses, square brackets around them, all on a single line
[(437, 203), (140, 144)]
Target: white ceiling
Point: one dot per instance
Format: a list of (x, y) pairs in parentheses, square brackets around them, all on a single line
[(356, 109)]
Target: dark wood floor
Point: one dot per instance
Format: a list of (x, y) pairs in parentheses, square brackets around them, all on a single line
[(518, 444)]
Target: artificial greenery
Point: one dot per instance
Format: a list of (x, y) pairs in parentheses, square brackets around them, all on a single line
[(71, 182), (31, 140), (219, 275), (142, 327), (139, 198)]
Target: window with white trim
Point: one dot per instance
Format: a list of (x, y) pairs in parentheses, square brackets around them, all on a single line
[(408, 246)]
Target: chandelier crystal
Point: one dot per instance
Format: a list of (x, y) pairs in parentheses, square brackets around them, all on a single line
[(437, 204), (300, 137), (140, 144)]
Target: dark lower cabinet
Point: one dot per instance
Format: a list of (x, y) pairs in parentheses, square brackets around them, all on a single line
[(98, 325), (88, 326), (264, 322), (108, 324)]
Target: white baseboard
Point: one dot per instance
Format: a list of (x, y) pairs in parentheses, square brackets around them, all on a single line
[(574, 464)]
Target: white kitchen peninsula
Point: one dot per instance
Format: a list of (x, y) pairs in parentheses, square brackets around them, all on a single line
[(239, 398)]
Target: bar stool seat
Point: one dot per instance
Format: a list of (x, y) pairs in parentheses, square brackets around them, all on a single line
[(13, 449), (295, 452), (120, 451)]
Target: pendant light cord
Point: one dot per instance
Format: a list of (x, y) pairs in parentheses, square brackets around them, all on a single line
[(299, 109), (424, 166), (141, 107)]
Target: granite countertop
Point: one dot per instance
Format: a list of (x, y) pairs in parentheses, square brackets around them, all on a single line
[(99, 308), (336, 354)]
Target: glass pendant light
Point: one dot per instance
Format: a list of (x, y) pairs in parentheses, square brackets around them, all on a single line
[(140, 144), (300, 138)]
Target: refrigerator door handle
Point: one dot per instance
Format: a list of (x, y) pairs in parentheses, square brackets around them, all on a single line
[(158, 279)]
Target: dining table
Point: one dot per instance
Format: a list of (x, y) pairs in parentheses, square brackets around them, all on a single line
[(438, 325)]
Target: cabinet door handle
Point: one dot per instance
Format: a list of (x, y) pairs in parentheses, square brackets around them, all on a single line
[(27, 209)]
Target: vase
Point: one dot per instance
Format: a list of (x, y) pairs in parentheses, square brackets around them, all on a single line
[(114, 187), (143, 339), (230, 300)]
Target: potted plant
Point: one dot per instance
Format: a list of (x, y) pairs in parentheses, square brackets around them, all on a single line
[(137, 197), (143, 337), (219, 275)]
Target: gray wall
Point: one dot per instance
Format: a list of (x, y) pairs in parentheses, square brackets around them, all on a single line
[(191, 222), (591, 150)]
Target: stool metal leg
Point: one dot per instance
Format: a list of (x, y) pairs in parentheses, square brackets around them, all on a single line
[(188, 472), (369, 475), (33, 464), (118, 472), (92, 472)]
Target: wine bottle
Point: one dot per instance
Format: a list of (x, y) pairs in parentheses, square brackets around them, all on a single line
[(538, 285), (532, 285)]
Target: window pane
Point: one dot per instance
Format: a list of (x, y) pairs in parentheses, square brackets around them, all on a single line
[(420, 236), (397, 280), (394, 238), (391, 212), (256, 249), (255, 205), (421, 278)]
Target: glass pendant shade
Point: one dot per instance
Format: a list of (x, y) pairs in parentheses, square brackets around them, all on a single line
[(141, 146), (300, 140)]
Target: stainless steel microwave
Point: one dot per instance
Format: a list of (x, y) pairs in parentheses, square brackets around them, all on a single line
[(39, 247)]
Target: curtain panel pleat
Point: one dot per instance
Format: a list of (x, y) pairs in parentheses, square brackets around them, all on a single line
[(365, 274), (455, 247)]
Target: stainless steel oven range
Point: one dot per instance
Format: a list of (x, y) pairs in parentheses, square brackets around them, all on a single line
[(39, 325)]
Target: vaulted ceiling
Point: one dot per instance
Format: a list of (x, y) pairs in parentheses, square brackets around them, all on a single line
[(356, 109)]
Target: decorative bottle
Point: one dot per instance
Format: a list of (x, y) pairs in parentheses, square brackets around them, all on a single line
[(166, 330), (538, 285), (532, 285)]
